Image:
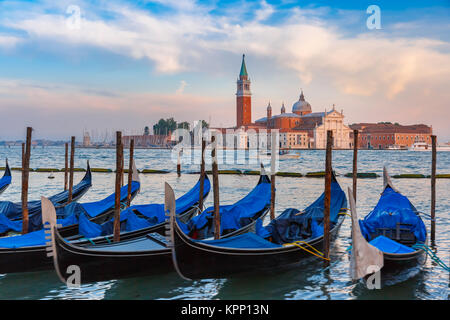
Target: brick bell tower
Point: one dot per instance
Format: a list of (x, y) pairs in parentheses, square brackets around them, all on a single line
[(243, 97)]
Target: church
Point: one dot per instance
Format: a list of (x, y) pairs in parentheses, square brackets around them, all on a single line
[(299, 129)]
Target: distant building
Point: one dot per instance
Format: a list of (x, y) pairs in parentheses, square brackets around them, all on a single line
[(86, 139), (384, 135), (298, 129), (294, 139)]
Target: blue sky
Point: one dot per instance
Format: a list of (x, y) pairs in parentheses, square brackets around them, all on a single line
[(130, 63)]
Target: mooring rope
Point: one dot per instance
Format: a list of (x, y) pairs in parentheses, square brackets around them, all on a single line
[(317, 254), (432, 255)]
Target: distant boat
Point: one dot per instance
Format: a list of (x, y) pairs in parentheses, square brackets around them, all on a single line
[(283, 154), (423, 146), (51, 176), (395, 147)]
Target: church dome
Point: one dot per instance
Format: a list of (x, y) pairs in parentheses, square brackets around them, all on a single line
[(301, 106)]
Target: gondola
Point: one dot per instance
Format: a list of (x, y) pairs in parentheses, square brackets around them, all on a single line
[(140, 220), (26, 253), (13, 210), (290, 238), (389, 238), (144, 255), (5, 181)]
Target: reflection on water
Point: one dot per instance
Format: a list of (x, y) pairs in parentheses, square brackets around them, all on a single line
[(306, 280)]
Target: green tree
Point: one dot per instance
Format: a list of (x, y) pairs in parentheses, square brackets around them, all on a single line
[(184, 125), (205, 124), (164, 127)]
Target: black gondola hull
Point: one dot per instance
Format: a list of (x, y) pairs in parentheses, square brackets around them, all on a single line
[(196, 260), (99, 266), (31, 259)]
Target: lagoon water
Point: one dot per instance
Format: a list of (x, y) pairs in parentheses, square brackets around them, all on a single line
[(308, 280)]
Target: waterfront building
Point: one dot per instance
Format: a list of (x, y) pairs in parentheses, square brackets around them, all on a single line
[(386, 135)]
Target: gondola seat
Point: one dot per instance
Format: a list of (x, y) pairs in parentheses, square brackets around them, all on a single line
[(401, 235), (390, 246)]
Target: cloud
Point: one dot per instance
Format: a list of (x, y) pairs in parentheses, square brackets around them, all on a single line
[(366, 64), (264, 12), (9, 41), (372, 72)]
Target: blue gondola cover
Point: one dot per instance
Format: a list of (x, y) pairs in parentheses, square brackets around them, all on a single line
[(68, 215), (391, 209), (153, 213), (233, 216), (292, 225), (13, 210), (390, 246)]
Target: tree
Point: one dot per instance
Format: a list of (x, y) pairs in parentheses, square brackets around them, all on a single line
[(165, 127), (184, 125), (146, 131)]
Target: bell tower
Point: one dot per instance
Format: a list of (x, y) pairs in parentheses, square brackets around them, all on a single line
[(243, 97)]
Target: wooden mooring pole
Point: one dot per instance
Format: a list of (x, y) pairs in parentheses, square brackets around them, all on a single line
[(66, 166), (202, 176), (433, 188), (326, 213), (122, 180), (23, 153), (274, 149), (215, 174), (130, 172), (355, 162), (26, 151), (72, 157), (119, 169), (179, 162)]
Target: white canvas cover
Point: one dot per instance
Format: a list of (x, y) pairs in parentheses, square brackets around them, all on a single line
[(364, 256)]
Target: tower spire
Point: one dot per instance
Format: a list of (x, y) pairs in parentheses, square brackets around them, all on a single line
[(302, 97), (243, 72), (243, 97)]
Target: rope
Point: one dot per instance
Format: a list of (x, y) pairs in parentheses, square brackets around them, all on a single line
[(92, 242), (344, 212), (432, 255), (318, 254), (107, 239)]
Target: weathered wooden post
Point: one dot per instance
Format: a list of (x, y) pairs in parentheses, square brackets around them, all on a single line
[(26, 150), (66, 166), (72, 157), (122, 176), (326, 213), (179, 162), (355, 162), (202, 176), (433, 188), (23, 153), (119, 169), (130, 172), (272, 173), (215, 173)]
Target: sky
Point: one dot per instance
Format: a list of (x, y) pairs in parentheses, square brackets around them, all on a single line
[(101, 66)]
